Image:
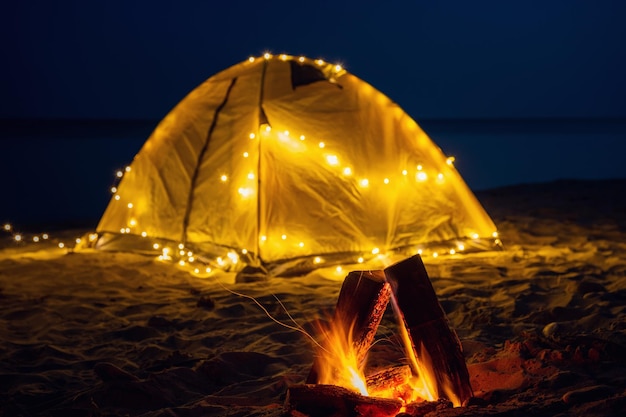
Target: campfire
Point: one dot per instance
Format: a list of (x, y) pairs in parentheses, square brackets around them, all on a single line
[(340, 383)]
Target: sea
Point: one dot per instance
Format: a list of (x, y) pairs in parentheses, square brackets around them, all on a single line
[(59, 172)]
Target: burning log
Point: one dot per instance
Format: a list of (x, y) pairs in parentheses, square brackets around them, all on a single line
[(330, 400), (360, 307), (428, 335), (390, 383)]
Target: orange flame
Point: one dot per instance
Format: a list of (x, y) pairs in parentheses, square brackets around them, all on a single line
[(338, 362)]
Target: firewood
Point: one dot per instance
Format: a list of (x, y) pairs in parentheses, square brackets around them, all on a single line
[(361, 304), (387, 378), (429, 333), (330, 400)]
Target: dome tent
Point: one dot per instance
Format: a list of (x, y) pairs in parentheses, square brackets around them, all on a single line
[(287, 160)]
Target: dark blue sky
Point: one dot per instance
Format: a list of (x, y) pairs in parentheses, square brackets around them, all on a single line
[(135, 59), (437, 59)]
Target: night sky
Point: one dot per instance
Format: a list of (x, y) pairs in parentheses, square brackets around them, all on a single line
[(442, 61)]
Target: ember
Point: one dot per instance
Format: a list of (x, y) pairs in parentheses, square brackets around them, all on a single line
[(437, 368)]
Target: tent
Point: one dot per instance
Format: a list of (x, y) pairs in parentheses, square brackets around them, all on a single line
[(288, 160)]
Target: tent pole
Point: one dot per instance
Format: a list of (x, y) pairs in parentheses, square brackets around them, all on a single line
[(262, 120)]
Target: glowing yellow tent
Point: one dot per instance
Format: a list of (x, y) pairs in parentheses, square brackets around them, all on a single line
[(283, 158)]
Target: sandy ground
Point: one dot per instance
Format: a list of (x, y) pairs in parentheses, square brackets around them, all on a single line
[(543, 323)]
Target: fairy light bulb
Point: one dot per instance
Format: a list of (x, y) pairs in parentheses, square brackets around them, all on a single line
[(181, 262), (113, 190), (78, 240), (7, 227), (301, 59), (375, 251), (347, 171), (419, 167), (268, 128), (127, 169), (196, 270), (144, 234), (117, 197), (405, 172), (267, 55), (339, 269), (452, 251), (130, 205), (17, 238), (208, 270), (263, 238), (421, 176), (133, 222), (364, 182), (494, 234), (338, 68), (181, 253), (283, 237), (317, 260), (332, 160), (244, 251), (245, 192), (450, 160), (234, 258), (251, 59), (435, 254), (45, 236), (35, 239), (156, 246), (460, 247), (119, 174), (181, 246), (360, 260), (302, 137), (224, 178), (251, 175), (246, 154), (319, 62), (301, 244), (475, 236), (252, 136), (286, 133), (283, 57), (61, 245), (386, 180), (322, 145), (440, 177)]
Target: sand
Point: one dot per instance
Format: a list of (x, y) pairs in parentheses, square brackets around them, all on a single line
[(542, 323)]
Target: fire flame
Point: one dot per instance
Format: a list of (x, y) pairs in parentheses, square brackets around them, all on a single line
[(338, 364)]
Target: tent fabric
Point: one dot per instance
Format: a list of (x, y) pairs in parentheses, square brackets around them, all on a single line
[(283, 158)]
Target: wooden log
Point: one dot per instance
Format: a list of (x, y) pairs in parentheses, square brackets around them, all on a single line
[(330, 400), (362, 301), (390, 383), (386, 378), (430, 336)]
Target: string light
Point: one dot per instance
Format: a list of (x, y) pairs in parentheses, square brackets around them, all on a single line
[(7, 227), (224, 178), (386, 180), (251, 59), (450, 160), (322, 145), (119, 174), (347, 171), (17, 238), (364, 182), (332, 160), (267, 55), (317, 260), (252, 136)]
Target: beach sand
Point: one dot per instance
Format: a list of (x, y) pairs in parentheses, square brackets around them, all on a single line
[(542, 323)]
